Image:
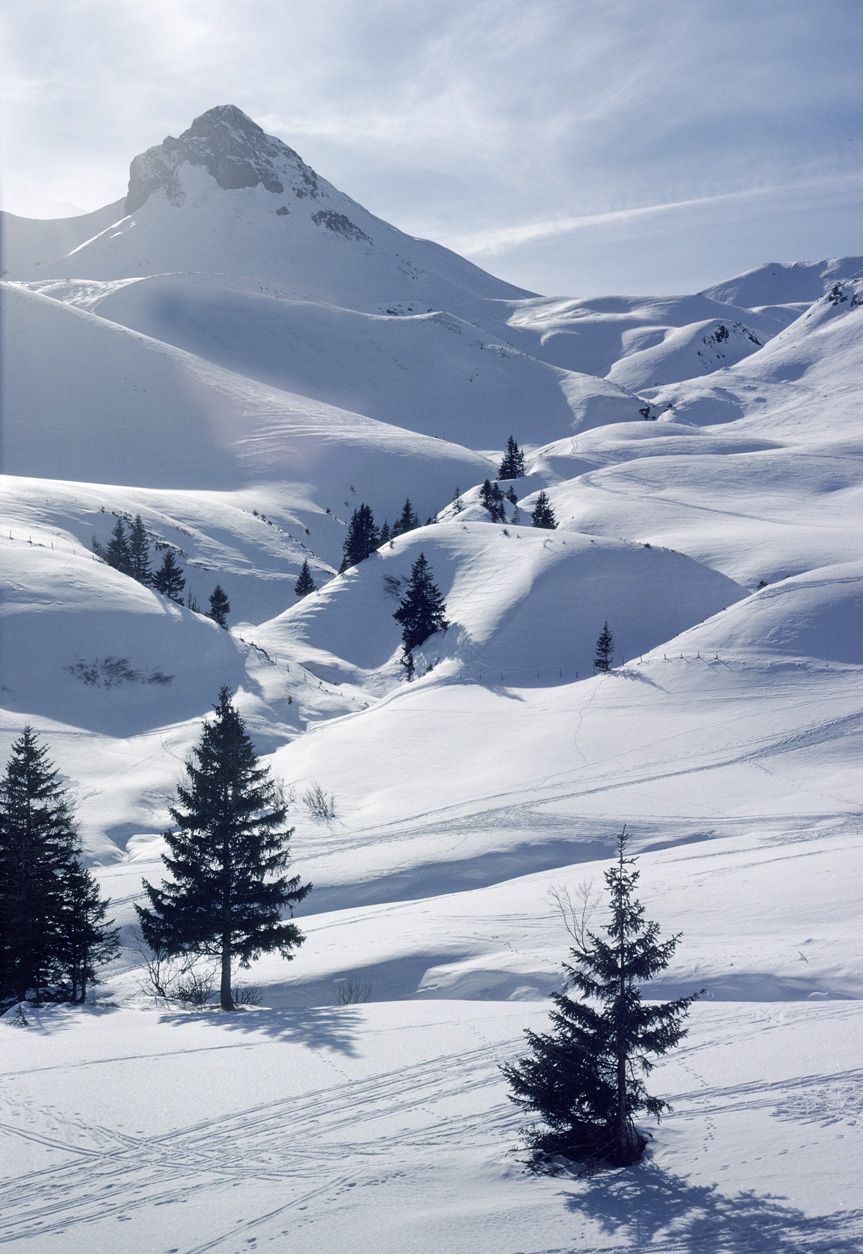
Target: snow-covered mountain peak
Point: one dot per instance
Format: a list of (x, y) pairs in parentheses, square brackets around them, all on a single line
[(232, 148), (227, 199)]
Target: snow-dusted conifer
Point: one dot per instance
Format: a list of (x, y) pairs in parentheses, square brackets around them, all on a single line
[(117, 551), (85, 937), (139, 552), (543, 514), (584, 1077), (169, 578), (603, 650), (491, 497), (362, 538), (220, 606), (228, 853), (407, 520), (38, 849), (421, 612), (512, 465), (305, 583)]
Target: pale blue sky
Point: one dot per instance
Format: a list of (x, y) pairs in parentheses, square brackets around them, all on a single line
[(572, 146)]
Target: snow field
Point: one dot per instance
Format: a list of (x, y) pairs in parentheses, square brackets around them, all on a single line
[(388, 1126), (243, 378)]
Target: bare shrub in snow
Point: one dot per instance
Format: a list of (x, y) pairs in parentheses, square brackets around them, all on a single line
[(353, 992), (245, 994), (111, 672), (320, 805), (575, 908), (196, 986), (175, 979)]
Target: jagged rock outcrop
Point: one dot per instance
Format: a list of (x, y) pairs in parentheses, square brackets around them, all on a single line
[(230, 147)]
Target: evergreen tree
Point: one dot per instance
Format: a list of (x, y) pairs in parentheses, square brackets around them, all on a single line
[(139, 552), (220, 606), (385, 534), (227, 860), (543, 514), (512, 466), (305, 584), (407, 520), (117, 551), (38, 847), (169, 579), (362, 538), (603, 650), (421, 612), (85, 937), (491, 497), (584, 1077)]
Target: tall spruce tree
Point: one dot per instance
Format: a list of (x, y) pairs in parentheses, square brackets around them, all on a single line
[(117, 551), (139, 552), (362, 538), (421, 612), (512, 465), (603, 650), (38, 848), (86, 939), (543, 514), (169, 579), (228, 853), (585, 1077), (220, 606), (406, 521), (305, 583)]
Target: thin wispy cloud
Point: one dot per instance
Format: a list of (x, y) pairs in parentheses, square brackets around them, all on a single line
[(499, 239)]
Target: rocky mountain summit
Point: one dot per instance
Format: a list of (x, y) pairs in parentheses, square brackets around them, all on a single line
[(230, 147)]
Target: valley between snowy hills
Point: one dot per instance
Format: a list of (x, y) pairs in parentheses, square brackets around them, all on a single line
[(241, 356)]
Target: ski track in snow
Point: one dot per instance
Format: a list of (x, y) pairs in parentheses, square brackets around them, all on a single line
[(129, 1173)]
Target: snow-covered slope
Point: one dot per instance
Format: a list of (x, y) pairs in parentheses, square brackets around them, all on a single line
[(525, 606), (774, 491), (645, 342), (27, 243), (241, 355), (145, 413), (782, 283), (432, 372)]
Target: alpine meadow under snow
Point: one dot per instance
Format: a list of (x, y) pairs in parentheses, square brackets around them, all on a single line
[(243, 357)]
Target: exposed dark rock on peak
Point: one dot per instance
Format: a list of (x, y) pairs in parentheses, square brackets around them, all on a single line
[(340, 224), (230, 147)]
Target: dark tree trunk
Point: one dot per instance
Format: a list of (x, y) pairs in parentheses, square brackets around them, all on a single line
[(225, 998)]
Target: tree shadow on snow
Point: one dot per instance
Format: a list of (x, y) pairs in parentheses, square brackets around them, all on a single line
[(624, 672), (49, 1018), (646, 1205), (320, 1027)]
